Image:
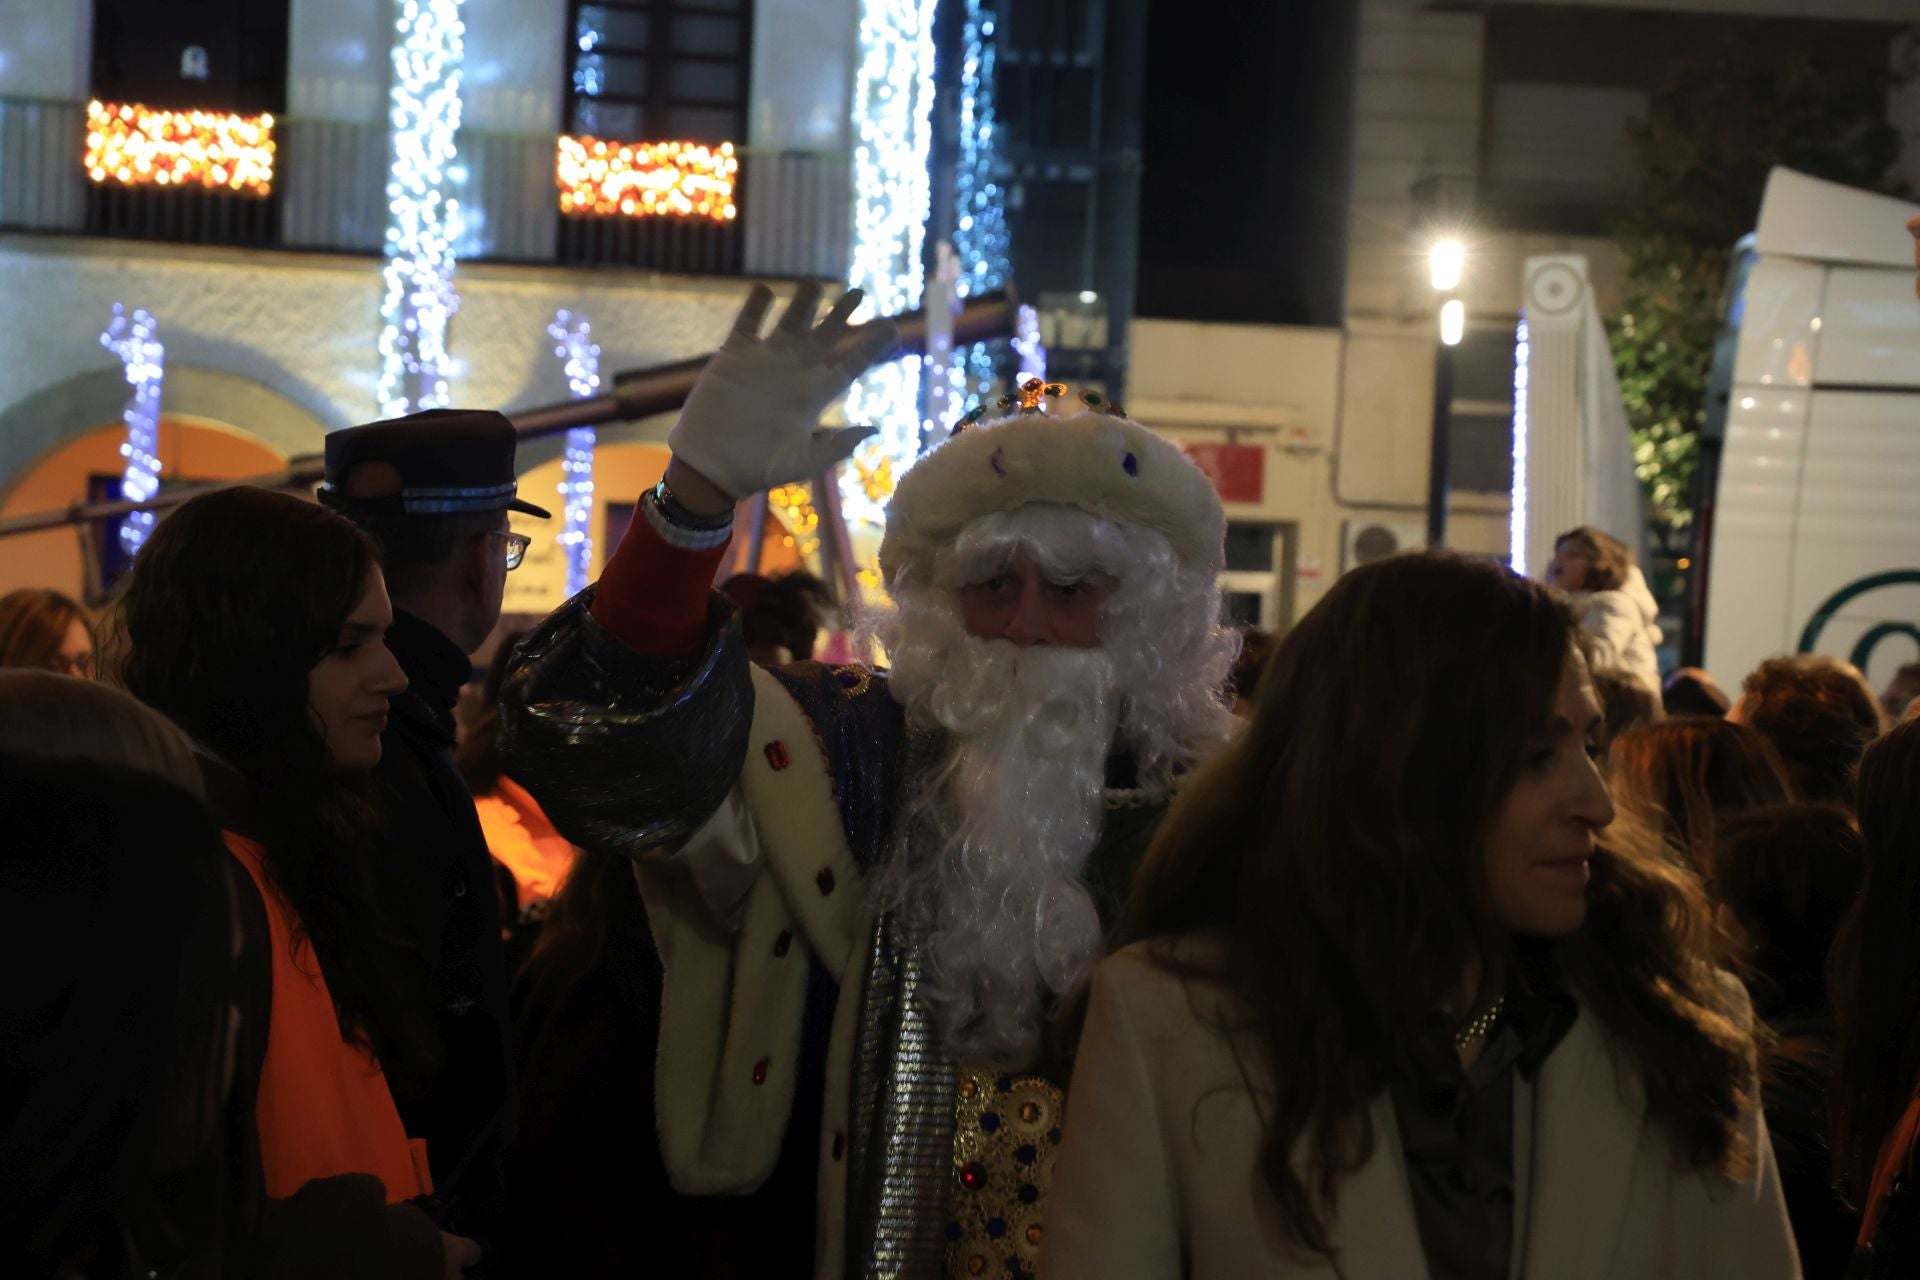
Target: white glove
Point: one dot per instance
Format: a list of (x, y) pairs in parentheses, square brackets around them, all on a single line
[(752, 419)]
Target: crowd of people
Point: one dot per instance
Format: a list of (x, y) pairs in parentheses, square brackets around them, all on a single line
[(1435, 937)]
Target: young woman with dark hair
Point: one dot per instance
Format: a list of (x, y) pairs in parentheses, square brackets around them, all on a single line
[(1684, 777), (1874, 974), (255, 620), (1386, 1001)]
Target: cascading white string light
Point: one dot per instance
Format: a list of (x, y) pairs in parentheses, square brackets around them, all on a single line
[(573, 343), (1027, 344), (131, 337), (423, 220), (893, 123)]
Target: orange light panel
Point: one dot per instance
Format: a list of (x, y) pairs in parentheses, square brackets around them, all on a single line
[(647, 179), (137, 146)]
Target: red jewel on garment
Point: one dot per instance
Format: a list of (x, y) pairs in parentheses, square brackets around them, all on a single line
[(825, 880), (760, 1071), (783, 943), (973, 1175), (777, 756)]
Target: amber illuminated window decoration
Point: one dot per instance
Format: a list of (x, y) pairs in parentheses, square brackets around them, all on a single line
[(138, 146), (647, 179)]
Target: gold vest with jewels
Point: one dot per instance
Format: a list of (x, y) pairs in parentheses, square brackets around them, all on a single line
[(1005, 1131)]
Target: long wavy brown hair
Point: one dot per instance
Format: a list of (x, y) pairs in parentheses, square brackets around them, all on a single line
[(1684, 777), (1335, 847), (1874, 971)]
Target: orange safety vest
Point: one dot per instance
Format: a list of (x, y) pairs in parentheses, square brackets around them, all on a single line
[(520, 836), (324, 1106)]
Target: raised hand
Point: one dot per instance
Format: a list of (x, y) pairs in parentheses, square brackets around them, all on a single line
[(752, 420)]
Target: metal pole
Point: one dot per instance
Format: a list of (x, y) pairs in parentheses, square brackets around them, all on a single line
[(756, 534), (1439, 470), (834, 538)]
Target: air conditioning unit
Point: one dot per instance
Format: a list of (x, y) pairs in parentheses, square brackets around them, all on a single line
[(1365, 541)]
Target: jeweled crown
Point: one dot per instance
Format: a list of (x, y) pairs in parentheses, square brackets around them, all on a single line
[(1032, 396)]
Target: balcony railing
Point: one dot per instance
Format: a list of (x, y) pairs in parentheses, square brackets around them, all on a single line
[(329, 194)]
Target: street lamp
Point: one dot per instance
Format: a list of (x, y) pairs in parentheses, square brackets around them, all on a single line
[(1446, 266)]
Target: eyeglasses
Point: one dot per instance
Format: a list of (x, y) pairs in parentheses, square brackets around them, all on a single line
[(517, 544)]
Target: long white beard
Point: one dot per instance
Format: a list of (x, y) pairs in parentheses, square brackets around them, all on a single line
[(999, 830)]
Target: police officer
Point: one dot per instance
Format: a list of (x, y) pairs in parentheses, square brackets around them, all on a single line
[(434, 489)]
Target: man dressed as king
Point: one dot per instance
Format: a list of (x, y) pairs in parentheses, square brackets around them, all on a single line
[(792, 1014)]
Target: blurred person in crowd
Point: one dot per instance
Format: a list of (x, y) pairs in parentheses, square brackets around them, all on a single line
[(1874, 975), (780, 618), (859, 894), (1686, 776), (1473, 1033), (328, 1227), (256, 621), (533, 855), (1625, 703), (1256, 647), (44, 629), (1785, 878), (45, 714), (1610, 594), (126, 1142), (1478, 1032), (1820, 715), (1901, 692), (434, 489), (1690, 691)]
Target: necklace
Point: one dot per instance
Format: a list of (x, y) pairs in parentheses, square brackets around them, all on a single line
[(1479, 1026)]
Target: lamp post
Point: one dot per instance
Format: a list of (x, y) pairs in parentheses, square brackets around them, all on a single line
[(1446, 263)]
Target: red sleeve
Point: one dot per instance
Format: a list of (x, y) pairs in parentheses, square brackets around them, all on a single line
[(653, 595)]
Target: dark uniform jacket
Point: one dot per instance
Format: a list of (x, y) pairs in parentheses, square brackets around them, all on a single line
[(466, 1114)]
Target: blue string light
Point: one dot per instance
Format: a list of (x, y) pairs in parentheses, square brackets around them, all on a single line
[(131, 337), (980, 237), (423, 220), (573, 343)]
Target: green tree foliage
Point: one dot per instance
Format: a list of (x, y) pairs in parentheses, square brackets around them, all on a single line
[(1720, 118)]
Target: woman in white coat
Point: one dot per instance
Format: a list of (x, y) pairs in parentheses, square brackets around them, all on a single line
[(1388, 1005), (1611, 596)]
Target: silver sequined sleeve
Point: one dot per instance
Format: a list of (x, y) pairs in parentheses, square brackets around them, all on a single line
[(627, 754)]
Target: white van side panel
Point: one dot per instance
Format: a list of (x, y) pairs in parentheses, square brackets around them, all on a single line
[(1780, 328), (1750, 589), (1859, 518), (1870, 330)]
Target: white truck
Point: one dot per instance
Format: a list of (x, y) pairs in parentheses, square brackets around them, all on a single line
[(1811, 542)]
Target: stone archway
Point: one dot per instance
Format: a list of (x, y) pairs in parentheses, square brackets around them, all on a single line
[(36, 426)]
